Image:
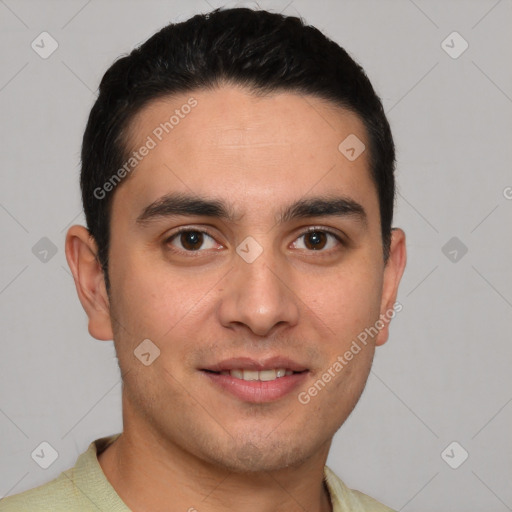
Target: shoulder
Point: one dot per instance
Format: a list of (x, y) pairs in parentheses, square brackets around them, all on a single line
[(350, 500), (83, 487), (56, 496)]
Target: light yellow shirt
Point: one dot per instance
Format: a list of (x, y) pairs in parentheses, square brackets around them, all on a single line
[(85, 488)]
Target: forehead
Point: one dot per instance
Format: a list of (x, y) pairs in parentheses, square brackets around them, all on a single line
[(229, 143)]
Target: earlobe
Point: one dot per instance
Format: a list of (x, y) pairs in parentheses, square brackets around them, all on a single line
[(393, 272), (81, 253)]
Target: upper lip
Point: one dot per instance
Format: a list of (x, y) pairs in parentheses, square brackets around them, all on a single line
[(248, 363)]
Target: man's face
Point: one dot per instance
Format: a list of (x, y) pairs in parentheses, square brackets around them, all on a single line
[(304, 298)]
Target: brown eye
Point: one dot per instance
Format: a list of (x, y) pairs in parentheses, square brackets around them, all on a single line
[(317, 240), (191, 240)]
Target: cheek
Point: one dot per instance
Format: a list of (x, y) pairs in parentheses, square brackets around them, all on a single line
[(156, 302), (347, 301)]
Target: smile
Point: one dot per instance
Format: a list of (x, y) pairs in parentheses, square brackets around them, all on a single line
[(263, 375), (257, 386)]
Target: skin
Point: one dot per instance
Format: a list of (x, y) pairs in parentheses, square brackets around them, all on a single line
[(185, 442)]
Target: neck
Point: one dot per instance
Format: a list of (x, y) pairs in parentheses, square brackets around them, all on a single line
[(149, 474)]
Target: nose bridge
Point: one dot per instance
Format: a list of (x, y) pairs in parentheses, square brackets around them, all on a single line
[(259, 295)]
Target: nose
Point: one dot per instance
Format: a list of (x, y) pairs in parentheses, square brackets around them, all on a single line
[(259, 296)]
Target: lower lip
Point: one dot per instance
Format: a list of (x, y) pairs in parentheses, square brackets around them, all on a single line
[(257, 391)]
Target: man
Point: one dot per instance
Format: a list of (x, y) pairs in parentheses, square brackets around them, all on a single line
[(237, 181)]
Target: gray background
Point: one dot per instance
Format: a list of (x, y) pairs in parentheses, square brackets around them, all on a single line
[(443, 376)]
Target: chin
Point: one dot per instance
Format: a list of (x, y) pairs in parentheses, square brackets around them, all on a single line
[(249, 457)]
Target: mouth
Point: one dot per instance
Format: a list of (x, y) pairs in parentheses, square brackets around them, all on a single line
[(257, 375), (254, 381)]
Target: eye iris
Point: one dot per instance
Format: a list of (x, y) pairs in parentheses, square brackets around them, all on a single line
[(191, 240), (315, 240)]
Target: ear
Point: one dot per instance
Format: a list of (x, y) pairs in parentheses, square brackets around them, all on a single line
[(81, 251), (393, 272)]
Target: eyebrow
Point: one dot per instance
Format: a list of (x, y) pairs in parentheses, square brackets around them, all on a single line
[(179, 204)]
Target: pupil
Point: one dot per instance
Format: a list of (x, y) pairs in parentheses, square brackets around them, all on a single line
[(316, 239), (191, 240)]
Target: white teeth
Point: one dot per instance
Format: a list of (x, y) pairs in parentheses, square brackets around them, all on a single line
[(267, 375), (264, 375), (250, 375)]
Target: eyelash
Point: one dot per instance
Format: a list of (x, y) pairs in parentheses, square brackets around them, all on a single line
[(188, 229)]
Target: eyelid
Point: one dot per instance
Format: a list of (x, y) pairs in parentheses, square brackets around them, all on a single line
[(325, 229), (304, 231), (311, 229), (185, 229)]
